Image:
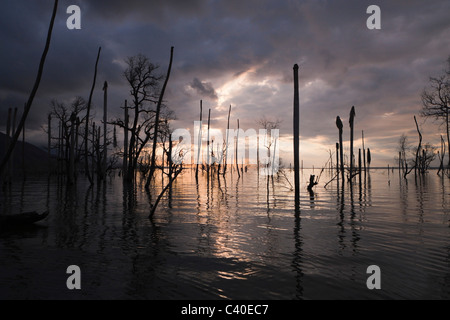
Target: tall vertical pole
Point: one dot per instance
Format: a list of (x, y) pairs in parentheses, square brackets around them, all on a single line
[(352, 119), (337, 159), (359, 165), (341, 147), (296, 140)]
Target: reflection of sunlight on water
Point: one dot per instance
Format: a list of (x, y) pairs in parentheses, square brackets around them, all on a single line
[(232, 238)]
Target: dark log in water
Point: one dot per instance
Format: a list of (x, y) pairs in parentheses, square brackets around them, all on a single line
[(25, 218)]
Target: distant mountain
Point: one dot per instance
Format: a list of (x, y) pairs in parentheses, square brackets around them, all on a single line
[(36, 159)]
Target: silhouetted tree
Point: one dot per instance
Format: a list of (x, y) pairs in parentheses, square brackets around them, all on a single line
[(144, 82), (68, 119)]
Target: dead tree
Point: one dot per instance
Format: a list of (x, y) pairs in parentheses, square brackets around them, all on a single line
[(86, 130), (436, 101), (296, 139), (341, 149)]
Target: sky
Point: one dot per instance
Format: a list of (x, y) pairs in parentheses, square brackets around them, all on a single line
[(240, 53)]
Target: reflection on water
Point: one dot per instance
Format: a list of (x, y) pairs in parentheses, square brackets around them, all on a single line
[(230, 238)]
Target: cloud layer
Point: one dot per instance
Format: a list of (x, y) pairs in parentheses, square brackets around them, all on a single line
[(240, 53)]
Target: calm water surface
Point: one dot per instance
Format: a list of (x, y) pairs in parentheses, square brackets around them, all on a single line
[(230, 239)]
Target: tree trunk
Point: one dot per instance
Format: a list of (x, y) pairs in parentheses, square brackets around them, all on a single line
[(158, 110), (86, 131), (352, 119), (341, 149), (296, 140), (337, 159)]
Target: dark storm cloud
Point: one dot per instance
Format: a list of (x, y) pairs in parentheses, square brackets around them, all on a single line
[(204, 89)]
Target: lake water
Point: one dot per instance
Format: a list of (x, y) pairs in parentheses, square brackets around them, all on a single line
[(230, 239)]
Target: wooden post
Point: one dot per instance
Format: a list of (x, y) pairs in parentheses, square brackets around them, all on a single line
[(341, 149), (369, 158), (359, 165), (352, 122), (337, 159), (296, 140)]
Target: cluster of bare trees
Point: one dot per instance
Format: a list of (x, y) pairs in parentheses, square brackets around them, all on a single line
[(364, 156), (141, 122), (79, 144), (436, 105), (417, 158)]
